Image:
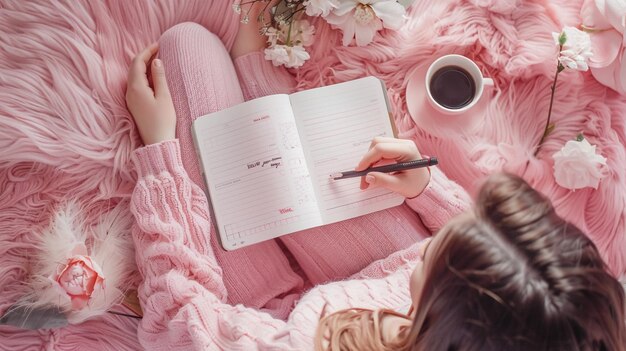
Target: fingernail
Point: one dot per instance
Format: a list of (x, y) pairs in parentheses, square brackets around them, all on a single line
[(158, 63), (370, 179)]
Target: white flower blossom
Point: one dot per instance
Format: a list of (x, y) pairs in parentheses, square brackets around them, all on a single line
[(362, 19), (320, 7), (301, 33), (577, 165), (288, 49), (272, 36), (277, 54), (290, 56), (576, 50)]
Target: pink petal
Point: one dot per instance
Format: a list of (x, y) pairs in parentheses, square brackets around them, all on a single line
[(391, 12), (605, 46), (336, 20), (365, 34), (95, 267), (606, 75), (592, 17), (614, 12), (348, 29), (345, 6), (79, 302), (621, 77), (79, 249)]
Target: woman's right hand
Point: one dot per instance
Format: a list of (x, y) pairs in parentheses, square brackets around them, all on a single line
[(408, 183), (152, 109)]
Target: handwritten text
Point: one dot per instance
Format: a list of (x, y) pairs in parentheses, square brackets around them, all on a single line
[(273, 162), (257, 119), (254, 164)]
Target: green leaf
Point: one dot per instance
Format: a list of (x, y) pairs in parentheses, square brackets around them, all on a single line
[(580, 137), (549, 130), (562, 38)]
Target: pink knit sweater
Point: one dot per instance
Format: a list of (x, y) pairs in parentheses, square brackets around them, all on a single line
[(182, 293)]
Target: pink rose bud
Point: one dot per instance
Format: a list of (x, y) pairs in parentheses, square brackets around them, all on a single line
[(79, 278)]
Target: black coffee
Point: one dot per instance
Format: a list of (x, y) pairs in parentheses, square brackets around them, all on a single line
[(452, 87)]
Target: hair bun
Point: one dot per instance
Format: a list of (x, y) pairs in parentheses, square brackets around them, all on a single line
[(511, 204)]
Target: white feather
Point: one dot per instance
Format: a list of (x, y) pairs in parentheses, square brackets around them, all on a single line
[(113, 251), (110, 247), (66, 230)]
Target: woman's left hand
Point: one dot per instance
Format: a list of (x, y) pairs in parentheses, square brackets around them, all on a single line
[(152, 108)]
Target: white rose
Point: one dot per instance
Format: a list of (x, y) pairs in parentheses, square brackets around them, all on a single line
[(576, 51), (578, 166)]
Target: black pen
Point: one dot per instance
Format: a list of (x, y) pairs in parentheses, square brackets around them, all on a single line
[(396, 167)]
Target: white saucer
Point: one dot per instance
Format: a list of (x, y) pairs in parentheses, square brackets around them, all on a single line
[(434, 122)]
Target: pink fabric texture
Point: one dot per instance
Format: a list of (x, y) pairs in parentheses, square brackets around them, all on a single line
[(202, 79), (65, 132), (183, 293), (511, 42)]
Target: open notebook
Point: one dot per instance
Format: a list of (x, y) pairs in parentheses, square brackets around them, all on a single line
[(267, 162)]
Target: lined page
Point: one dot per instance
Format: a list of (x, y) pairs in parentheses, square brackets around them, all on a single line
[(257, 176), (337, 124)]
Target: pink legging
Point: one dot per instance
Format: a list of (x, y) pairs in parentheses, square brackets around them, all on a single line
[(271, 275)]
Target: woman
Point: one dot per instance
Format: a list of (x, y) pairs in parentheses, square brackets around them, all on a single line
[(507, 276)]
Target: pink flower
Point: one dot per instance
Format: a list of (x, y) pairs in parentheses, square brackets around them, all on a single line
[(577, 165), (362, 19), (288, 48), (606, 22), (79, 277), (302, 33), (272, 36), (576, 50), (290, 56), (320, 7)]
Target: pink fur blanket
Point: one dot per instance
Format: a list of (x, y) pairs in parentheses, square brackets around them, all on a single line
[(65, 132)]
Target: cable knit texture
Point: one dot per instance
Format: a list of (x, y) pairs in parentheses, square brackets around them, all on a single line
[(194, 294), (272, 275), (183, 294), (443, 198), (202, 79), (258, 77), (66, 133)]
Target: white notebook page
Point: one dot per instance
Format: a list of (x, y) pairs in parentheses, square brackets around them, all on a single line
[(257, 176), (337, 124)]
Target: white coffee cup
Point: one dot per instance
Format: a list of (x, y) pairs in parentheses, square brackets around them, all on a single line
[(470, 67)]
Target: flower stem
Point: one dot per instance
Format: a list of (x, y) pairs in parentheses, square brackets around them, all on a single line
[(546, 131), (289, 33)]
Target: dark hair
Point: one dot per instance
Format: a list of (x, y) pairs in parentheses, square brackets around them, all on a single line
[(516, 276)]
